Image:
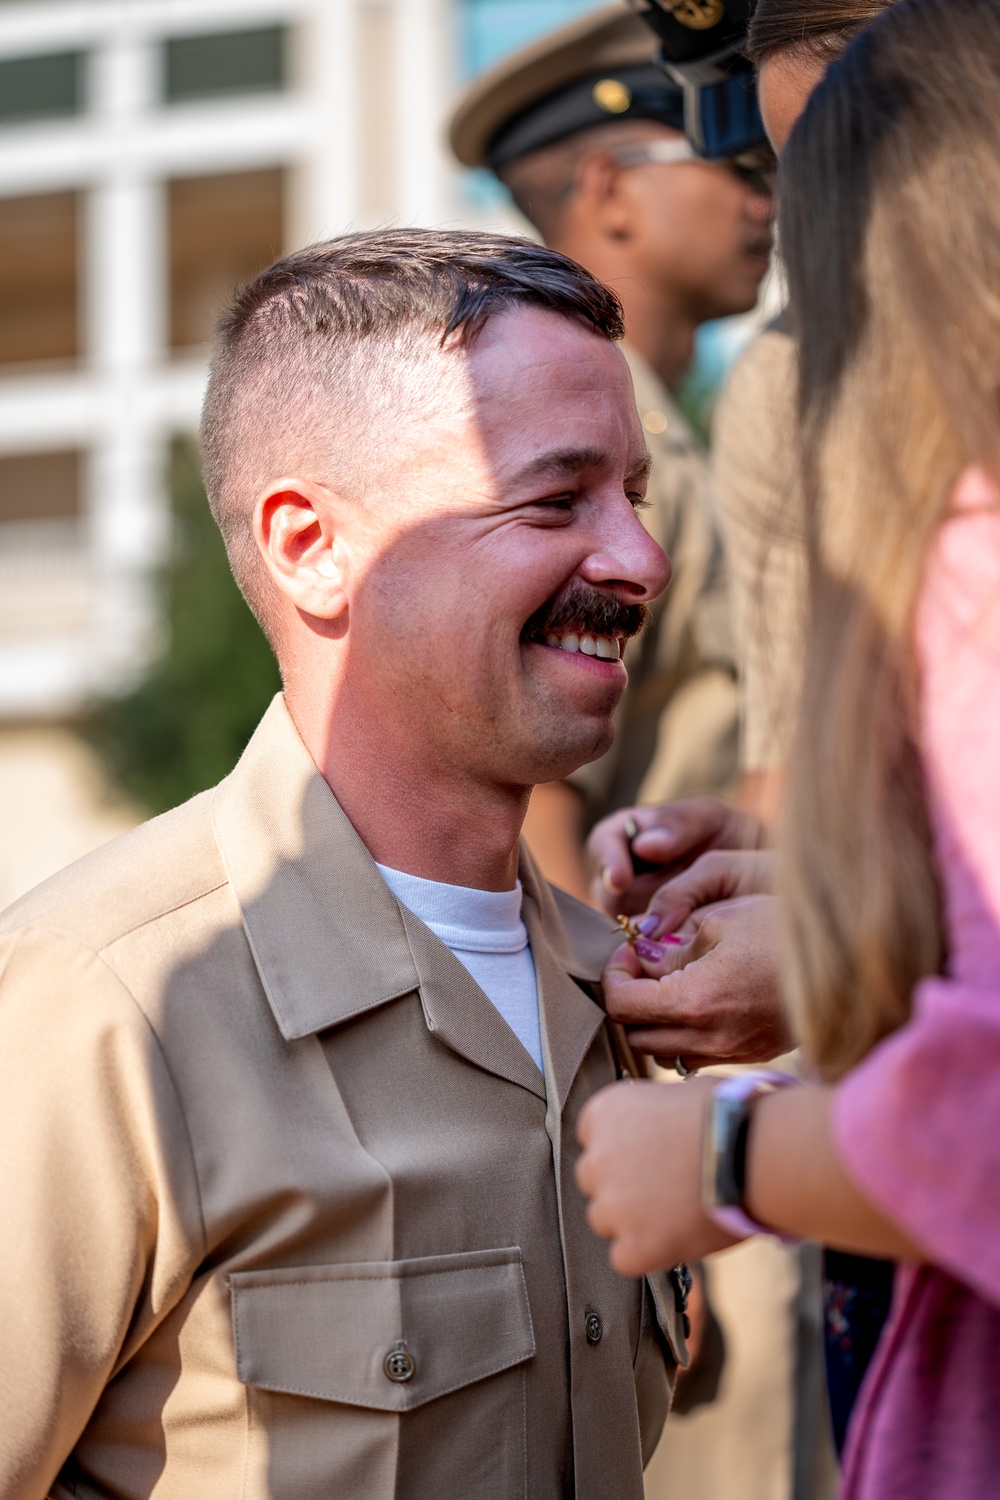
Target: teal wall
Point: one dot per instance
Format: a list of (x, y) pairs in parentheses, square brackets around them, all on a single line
[(490, 28)]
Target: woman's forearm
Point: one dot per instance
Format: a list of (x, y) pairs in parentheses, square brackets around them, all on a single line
[(797, 1183)]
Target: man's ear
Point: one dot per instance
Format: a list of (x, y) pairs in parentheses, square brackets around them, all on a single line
[(295, 529), (602, 195)]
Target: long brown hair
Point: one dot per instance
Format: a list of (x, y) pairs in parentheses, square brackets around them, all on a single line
[(891, 232), (821, 27)]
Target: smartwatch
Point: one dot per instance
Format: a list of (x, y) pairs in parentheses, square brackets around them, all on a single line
[(724, 1150)]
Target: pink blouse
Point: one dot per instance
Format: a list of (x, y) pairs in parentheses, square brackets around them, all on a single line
[(918, 1123)]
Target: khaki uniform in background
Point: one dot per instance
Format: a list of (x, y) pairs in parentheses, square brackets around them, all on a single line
[(759, 499), (678, 723), (289, 1211), (760, 506)]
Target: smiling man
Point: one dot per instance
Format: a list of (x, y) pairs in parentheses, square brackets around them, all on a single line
[(289, 1078)]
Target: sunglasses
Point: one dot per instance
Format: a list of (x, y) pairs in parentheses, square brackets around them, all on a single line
[(756, 168)]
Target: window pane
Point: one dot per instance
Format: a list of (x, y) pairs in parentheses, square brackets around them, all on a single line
[(222, 231), (231, 62), (39, 487), (38, 277), (41, 88)]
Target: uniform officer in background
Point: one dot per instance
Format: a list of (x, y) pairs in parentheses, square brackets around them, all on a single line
[(586, 131)]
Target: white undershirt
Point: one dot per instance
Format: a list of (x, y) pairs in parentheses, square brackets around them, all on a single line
[(485, 932)]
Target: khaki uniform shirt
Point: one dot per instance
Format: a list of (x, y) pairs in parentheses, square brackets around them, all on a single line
[(289, 1211), (678, 723), (755, 475)]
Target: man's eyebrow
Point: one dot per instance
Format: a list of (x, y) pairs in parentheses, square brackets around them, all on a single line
[(561, 462)]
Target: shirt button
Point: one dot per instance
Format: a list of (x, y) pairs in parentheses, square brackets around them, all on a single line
[(594, 1328), (399, 1365)]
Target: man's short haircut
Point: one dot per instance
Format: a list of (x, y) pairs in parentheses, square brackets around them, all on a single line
[(313, 347), (544, 182)]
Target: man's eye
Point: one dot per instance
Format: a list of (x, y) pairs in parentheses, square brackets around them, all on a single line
[(639, 502), (556, 502)]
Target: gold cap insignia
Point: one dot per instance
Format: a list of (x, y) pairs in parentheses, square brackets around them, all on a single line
[(612, 95), (698, 15)]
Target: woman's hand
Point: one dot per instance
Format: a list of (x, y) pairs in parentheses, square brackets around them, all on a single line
[(669, 838), (721, 875), (715, 999), (641, 1170)]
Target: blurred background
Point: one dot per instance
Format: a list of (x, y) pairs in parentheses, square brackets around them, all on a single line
[(153, 155)]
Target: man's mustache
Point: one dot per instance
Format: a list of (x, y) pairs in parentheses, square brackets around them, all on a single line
[(590, 611)]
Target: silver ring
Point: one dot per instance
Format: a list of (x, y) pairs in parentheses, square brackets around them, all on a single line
[(681, 1067)]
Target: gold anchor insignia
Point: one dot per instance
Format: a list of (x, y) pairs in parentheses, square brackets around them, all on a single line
[(698, 15), (631, 931)]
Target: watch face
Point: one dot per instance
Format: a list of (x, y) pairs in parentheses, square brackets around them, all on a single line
[(722, 1184)]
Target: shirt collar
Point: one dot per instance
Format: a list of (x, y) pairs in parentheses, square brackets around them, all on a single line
[(326, 933)]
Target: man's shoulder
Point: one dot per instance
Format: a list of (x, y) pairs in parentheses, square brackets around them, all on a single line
[(763, 376), (754, 459), (159, 867)]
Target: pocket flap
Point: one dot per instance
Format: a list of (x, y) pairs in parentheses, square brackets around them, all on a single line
[(389, 1335), (669, 1315)]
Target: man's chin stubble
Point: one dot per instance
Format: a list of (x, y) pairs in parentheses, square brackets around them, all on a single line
[(554, 757)]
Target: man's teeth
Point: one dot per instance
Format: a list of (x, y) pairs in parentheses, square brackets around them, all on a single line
[(604, 646)]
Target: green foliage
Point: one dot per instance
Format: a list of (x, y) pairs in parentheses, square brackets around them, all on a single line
[(696, 397), (185, 726)]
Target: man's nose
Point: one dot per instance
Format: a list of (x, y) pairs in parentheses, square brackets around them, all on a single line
[(630, 561)]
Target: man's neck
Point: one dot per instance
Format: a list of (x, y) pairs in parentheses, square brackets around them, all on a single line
[(413, 817), (660, 328), (664, 339)]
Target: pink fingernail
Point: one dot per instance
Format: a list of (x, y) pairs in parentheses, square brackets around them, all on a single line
[(654, 952), (673, 940)]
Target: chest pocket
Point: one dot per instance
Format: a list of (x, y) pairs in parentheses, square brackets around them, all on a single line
[(442, 1340), (390, 1335)]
